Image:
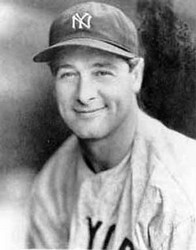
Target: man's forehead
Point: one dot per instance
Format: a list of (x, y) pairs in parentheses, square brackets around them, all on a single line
[(85, 54)]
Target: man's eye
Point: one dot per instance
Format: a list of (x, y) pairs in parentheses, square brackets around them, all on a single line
[(62, 75), (103, 73)]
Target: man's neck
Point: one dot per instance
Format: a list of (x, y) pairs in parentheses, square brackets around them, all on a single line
[(106, 153)]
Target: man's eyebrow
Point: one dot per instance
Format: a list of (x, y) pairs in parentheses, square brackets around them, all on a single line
[(56, 67), (104, 64), (65, 65)]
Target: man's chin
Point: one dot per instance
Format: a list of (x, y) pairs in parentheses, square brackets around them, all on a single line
[(89, 135)]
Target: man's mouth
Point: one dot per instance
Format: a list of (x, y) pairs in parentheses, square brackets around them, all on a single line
[(89, 112), (86, 111)]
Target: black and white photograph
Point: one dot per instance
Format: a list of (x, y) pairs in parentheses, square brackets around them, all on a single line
[(98, 124)]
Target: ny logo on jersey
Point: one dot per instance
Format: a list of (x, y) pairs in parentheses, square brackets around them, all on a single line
[(83, 21)]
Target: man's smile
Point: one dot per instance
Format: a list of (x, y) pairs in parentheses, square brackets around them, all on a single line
[(84, 112), (89, 110)]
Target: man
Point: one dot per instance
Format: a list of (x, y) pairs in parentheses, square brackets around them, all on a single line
[(122, 180)]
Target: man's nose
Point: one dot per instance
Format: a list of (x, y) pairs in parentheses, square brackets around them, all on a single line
[(86, 90)]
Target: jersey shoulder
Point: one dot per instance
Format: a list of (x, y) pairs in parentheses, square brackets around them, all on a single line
[(174, 158), (53, 185)]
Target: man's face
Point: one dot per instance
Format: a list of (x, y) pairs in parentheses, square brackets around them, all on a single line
[(95, 92)]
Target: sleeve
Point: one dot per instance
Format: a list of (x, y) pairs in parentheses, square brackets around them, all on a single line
[(181, 237), (45, 229)]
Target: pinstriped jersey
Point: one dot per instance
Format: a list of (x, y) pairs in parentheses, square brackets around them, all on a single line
[(147, 202)]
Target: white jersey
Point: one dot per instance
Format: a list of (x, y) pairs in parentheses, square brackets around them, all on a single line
[(147, 202)]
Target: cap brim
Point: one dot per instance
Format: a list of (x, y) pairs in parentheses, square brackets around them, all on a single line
[(48, 54)]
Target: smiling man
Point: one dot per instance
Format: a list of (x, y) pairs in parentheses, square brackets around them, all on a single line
[(122, 180), (97, 101)]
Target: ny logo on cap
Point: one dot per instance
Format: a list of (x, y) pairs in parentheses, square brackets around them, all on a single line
[(84, 21)]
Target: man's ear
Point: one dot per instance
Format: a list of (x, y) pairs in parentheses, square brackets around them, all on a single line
[(137, 73)]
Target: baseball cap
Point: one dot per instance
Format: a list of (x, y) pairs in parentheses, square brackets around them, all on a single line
[(92, 24)]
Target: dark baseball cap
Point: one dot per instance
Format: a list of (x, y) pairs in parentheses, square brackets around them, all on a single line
[(95, 25)]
